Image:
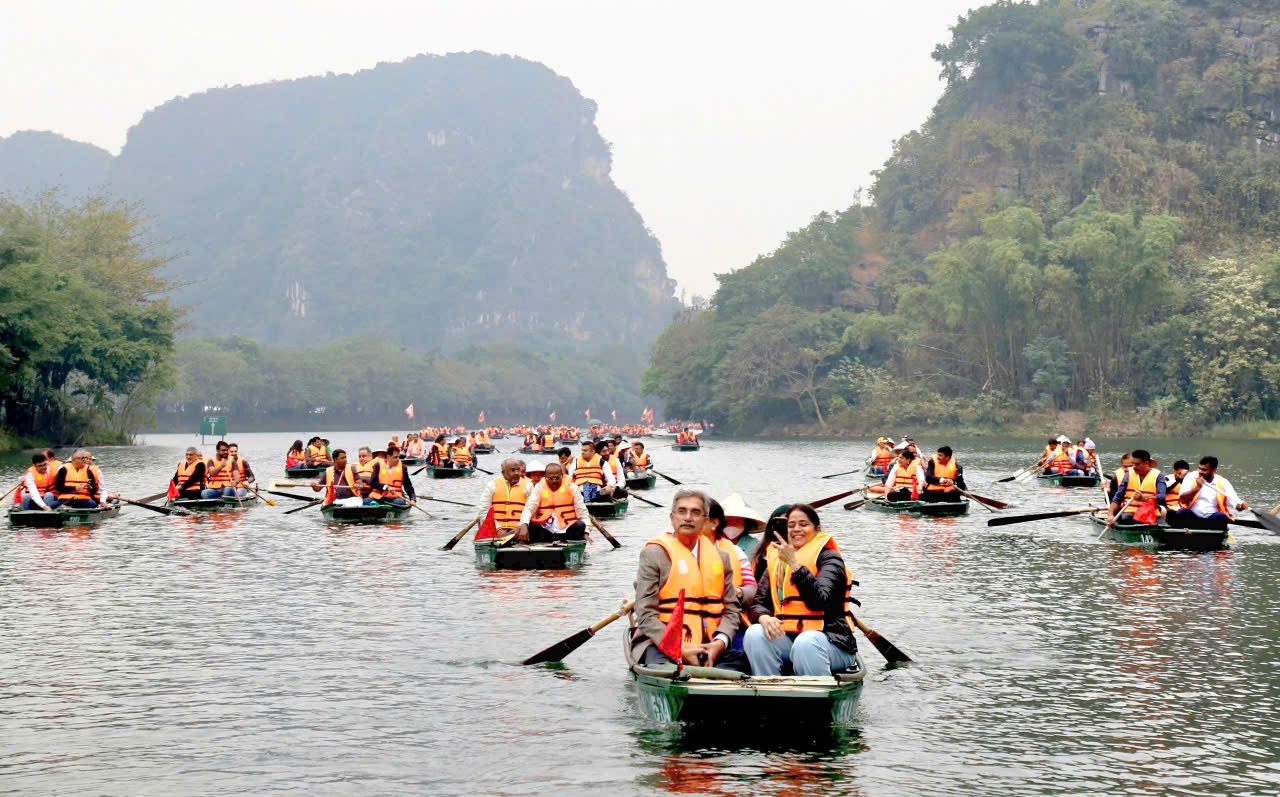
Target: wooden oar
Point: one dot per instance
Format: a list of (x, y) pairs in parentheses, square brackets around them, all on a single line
[(164, 510), (308, 506), (1027, 469), (420, 509), (443, 501), (645, 500), (145, 500), (983, 501), (448, 546), (420, 470), (1268, 521), (887, 649), (846, 473), (260, 496), (836, 497), (1116, 517), (605, 532), (288, 483), (307, 498), (564, 647), (860, 501), (668, 478), (482, 470), (1009, 521)]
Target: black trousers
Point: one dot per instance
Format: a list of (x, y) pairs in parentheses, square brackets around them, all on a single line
[(1186, 519), (540, 533), (901, 494), (729, 660), (940, 496)]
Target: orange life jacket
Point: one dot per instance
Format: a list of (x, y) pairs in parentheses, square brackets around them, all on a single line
[(616, 467), (701, 578), (184, 471), (44, 481), (947, 471), (882, 458), (906, 477), (349, 473), (641, 461), (1171, 492), (787, 604), (317, 454), (726, 545), (392, 477), (461, 455), (588, 471), (1144, 489), (76, 484), (222, 478), (364, 472), (531, 442), (558, 503), (508, 503), (1062, 460)]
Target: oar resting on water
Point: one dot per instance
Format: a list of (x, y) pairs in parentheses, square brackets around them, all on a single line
[(164, 510), (1009, 521), (569, 644)]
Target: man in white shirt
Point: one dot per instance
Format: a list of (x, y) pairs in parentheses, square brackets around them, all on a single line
[(905, 480), (1207, 499), (554, 511)]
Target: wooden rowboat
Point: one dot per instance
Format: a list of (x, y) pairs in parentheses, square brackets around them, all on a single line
[(411, 461), (685, 446), (710, 695), (608, 509), (61, 517), (646, 482), (530, 556), (303, 473), (369, 513), (1059, 480), (870, 472), (527, 450), (1164, 537), (921, 507), (482, 449), (211, 504), (441, 472)]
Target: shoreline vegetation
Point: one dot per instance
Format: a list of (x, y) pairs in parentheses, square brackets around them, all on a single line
[(1035, 426)]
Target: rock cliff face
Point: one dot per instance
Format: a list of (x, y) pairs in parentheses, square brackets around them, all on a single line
[(441, 201), (32, 161)]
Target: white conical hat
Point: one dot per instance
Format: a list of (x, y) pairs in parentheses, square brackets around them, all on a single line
[(734, 506), (535, 467)]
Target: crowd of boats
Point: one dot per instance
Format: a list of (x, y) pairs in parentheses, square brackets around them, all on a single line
[(733, 607)]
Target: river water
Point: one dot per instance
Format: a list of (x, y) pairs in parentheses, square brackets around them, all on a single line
[(257, 652)]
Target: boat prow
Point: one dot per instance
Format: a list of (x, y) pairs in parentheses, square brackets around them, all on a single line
[(63, 517), (530, 556)]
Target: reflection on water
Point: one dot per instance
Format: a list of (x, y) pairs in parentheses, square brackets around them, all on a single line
[(253, 651)]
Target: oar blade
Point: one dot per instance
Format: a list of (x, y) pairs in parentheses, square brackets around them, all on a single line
[(559, 650), (824, 501), (856, 504), (887, 649), (1268, 521), (1009, 521)]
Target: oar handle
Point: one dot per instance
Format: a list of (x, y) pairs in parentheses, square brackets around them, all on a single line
[(420, 509), (605, 532), (626, 608), (448, 546)]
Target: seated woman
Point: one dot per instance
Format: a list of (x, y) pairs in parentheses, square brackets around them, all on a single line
[(744, 579), (803, 618), (295, 458)]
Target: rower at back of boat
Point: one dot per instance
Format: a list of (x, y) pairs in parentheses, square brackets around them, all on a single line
[(1207, 499)]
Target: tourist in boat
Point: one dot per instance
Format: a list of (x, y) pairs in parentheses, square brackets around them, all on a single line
[(188, 478), (365, 463), (1141, 484), (532, 442), (802, 601), (244, 473), (588, 472), (882, 457), (439, 452), (682, 559), (295, 457), (38, 485), (1113, 481), (391, 482), (1173, 486), (535, 471), (413, 446), (78, 484), (616, 478), (506, 495), (221, 475), (548, 439), (339, 483), (905, 480), (317, 453), (1063, 462), (740, 522), (1207, 499), (744, 579), (52, 457), (1054, 451), (564, 456), (460, 454), (638, 462), (686, 437), (554, 513), (943, 478)]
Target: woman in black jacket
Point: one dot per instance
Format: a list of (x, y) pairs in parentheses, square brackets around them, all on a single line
[(801, 605)]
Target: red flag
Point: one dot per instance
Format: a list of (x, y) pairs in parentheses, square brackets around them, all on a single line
[(614, 414), (488, 528), (1146, 514), (173, 490), (672, 642), (481, 418), (409, 410), (17, 494), (553, 417), (588, 414)]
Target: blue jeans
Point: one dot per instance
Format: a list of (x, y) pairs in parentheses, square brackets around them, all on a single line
[(49, 499), (590, 492), (74, 503), (811, 653), (395, 501)]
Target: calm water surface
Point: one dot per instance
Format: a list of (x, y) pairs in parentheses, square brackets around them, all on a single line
[(258, 652)]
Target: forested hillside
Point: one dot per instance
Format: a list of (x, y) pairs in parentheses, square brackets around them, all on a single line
[(32, 162), (1086, 221), (444, 201)]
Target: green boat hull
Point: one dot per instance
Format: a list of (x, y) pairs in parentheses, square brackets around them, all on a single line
[(210, 504), (1059, 480), (374, 513), (781, 701), (61, 518), (303, 473), (448, 473), (413, 461), (539, 556), (1163, 537), (685, 446), (642, 482), (870, 473), (608, 509), (484, 449), (920, 507)]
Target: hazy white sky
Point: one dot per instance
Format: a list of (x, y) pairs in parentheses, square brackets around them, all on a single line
[(731, 122)]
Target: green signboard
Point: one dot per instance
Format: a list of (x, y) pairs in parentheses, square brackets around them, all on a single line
[(213, 425)]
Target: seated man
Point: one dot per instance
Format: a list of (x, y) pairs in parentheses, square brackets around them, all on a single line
[(1173, 486), (638, 462), (37, 484), (564, 456), (1140, 486), (221, 475), (78, 483), (554, 510), (882, 456), (391, 481), (943, 478), (340, 483), (188, 477), (681, 559), (905, 480), (1207, 499), (587, 472)]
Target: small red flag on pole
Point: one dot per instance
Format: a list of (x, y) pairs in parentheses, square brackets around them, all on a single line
[(614, 413), (173, 490), (488, 528), (409, 410), (672, 642), (481, 418)]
